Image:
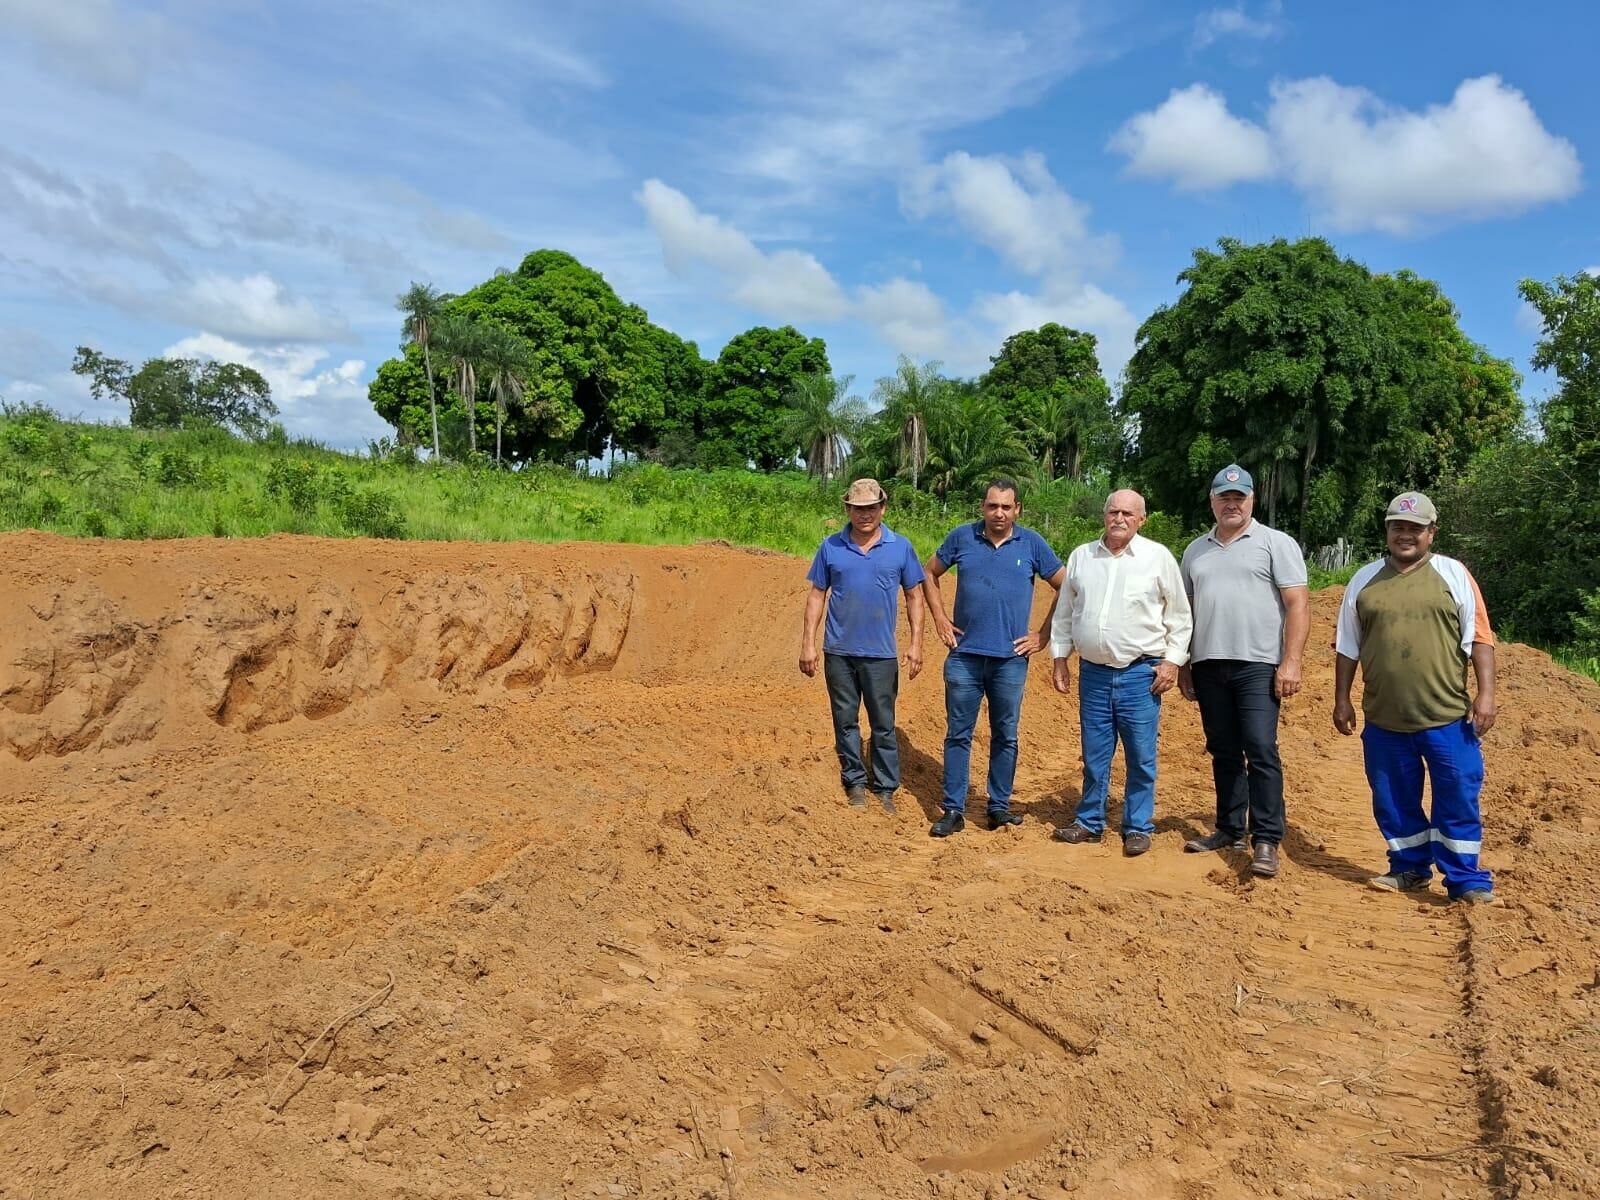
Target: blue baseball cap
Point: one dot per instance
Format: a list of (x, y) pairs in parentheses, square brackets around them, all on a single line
[(1232, 478)]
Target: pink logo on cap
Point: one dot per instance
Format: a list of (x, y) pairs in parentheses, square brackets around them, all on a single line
[(1231, 476), (1407, 504)]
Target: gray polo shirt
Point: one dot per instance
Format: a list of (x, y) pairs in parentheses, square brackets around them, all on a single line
[(1234, 590)]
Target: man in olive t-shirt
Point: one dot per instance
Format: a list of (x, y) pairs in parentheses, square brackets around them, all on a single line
[(1413, 620)]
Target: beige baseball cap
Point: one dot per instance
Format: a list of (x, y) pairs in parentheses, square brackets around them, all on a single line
[(864, 493), (1413, 507)]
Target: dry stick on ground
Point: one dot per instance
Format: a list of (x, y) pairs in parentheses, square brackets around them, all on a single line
[(338, 1023), (1516, 1147)]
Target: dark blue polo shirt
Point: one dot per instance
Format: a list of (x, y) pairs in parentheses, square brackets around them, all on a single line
[(864, 591), (994, 585)]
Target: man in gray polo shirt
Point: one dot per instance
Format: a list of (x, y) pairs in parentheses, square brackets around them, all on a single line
[(1252, 612)]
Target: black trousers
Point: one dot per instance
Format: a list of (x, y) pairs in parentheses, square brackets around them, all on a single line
[(851, 681), (1240, 715)]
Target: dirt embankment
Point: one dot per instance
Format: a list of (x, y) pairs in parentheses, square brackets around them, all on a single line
[(364, 869)]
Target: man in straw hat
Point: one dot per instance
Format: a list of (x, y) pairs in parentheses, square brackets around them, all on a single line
[(857, 576)]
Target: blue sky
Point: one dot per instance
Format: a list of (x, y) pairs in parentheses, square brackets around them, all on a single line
[(257, 181)]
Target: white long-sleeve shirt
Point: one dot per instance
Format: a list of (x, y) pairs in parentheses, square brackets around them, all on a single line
[(1117, 608)]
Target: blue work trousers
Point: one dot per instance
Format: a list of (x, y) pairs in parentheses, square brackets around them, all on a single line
[(1453, 836)]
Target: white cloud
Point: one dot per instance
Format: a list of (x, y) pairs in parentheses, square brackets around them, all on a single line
[(1016, 208), (1363, 164), (98, 42), (1077, 306), (1366, 165), (1195, 141), (254, 308), (1235, 22), (786, 284), (908, 315), (329, 404), (827, 90)]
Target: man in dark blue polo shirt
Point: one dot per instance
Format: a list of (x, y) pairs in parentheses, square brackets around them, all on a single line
[(860, 572), (996, 561)]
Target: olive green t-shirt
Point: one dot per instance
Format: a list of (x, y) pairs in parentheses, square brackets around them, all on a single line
[(1413, 650)]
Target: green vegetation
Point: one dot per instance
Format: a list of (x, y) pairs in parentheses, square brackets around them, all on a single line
[(1336, 387), (108, 481)]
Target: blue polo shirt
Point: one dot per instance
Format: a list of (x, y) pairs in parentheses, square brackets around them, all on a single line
[(864, 591), (994, 585)]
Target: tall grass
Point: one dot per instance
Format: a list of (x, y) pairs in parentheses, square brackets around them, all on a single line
[(110, 481)]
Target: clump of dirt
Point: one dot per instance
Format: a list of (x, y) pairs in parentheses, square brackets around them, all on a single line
[(355, 869)]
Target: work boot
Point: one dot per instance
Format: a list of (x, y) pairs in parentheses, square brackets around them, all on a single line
[(1399, 881), (1214, 841), (1265, 861), (858, 796), (887, 800), (951, 822), (999, 820), (1478, 896), (1075, 835), (1135, 844)]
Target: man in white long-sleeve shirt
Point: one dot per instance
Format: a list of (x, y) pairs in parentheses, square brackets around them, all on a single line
[(1123, 608)]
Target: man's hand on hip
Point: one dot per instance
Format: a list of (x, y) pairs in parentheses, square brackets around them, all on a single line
[(1029, 643)]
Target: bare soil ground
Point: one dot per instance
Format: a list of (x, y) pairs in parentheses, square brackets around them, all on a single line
[(347, 869)]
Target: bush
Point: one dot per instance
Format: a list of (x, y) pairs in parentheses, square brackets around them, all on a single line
[(296, 483), (175, 469), (371, 513)]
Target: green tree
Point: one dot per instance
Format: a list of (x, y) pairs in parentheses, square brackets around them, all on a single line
[(462, 340), (600, 372), (171, 393), (504, 358), (1049, 385), (400, 393), (745, 389), (820, 420), (1526, 514), (422, 306), (907, 399), (970, 441), (1335, 387)]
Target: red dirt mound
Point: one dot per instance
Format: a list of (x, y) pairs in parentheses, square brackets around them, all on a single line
[(373, 869)]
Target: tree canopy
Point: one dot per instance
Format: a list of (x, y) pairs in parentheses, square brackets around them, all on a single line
[(1334, 386), (743, 407), (1048, 384), (173, 393)]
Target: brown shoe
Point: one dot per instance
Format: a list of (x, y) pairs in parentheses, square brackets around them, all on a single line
[(1135, 844), (1265, 860), (1076, 834)]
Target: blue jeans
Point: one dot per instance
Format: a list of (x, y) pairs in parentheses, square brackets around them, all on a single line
[(1114, 703), (851, 680), (969, 679), (1452, 838)]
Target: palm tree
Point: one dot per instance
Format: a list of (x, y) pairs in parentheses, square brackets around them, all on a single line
[(462, 341), (1061, 424), (423, 305), (820, 421), (504, 359), (970, 442), (907, 397)]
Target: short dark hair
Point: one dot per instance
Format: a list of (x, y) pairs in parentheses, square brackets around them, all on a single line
[(1003, 483)]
